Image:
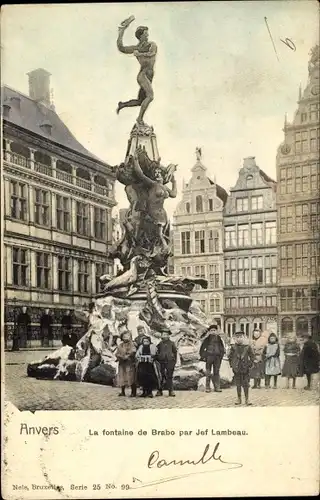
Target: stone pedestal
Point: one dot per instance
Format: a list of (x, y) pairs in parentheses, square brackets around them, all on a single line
[(144, 136)]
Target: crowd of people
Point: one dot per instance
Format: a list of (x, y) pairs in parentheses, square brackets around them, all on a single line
[(150, 367)]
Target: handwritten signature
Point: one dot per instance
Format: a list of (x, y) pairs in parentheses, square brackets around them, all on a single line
[(207, 455)]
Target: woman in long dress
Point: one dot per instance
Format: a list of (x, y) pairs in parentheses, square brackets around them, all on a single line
[(271, 357), (290, 367), (147, 373), (125, 355)]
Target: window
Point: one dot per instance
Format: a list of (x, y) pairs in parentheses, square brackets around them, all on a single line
[(83, 276), (257, 324), (19, 266), (214, 281), (200, 272), (199, 242), (215, 305), (64, 274), (271, 301), (199, 204), (315, 299), (231, 327), (43, 270), (286, 180), (243, 271), (101, 269), (301, 142), (188, 208), (304, 117), (314, 112), (271, 269), (230, 236), (286, 262), (256, 271), (230, 272), (210, 205), (244, 302), (256, 234), (42, 204), (286, 326), (213, 241), (99, 223), (18, 200), (271, 232), (257, 301), (302, 259), (243, 235), (314, 139), (63, 213), (82, 218), (302, 299), (242, 204), (244, 326), (186, 271), (286, 299), (185, 242), (286, 219), (256, 202), (301, 326)]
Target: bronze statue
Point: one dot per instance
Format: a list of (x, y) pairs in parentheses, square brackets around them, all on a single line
[(145, 52), (146, 225)]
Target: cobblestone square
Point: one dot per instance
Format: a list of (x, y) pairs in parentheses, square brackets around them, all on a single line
[(36, 395)]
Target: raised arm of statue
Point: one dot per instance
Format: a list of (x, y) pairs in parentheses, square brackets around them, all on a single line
[(129, 49), (173, 191), (146, 180)]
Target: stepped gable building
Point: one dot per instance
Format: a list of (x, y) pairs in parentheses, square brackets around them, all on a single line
[(298, 208), (58, 199), (198, 238), (250, 252)]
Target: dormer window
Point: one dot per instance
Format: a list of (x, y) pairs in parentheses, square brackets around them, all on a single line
[(210, 205), (188, 208), (46, 127), (199, 204)]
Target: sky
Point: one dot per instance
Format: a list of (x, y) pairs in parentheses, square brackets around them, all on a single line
[(218, 83)]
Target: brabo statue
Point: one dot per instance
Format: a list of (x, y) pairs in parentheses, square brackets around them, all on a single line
[(145, 52)]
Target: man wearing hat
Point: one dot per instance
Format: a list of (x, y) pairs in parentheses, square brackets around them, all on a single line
[(167, 358), (212, 351), (241, 358)]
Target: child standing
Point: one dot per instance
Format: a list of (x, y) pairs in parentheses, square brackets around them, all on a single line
[(291, 360), (257, 370), (241, 359), (310, 359), (271, 356), (125, 355)]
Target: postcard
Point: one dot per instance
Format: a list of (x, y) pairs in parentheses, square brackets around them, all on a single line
[(160, 188)]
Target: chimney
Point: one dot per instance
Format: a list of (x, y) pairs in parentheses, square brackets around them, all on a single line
[(39, 86), (250, 161)]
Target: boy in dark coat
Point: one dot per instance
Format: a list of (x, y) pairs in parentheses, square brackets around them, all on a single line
[(212, 351), (241, 358), (167, 357), (309, 360)]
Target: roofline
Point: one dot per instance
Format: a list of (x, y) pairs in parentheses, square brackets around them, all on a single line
[(93, 160)]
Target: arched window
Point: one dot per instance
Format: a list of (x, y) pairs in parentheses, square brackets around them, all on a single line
[(230, 327), (257, 324), (188, 208), (301, 326), (64, 167), (199, 204), (286, 326), (83, 174), (244, 326)]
